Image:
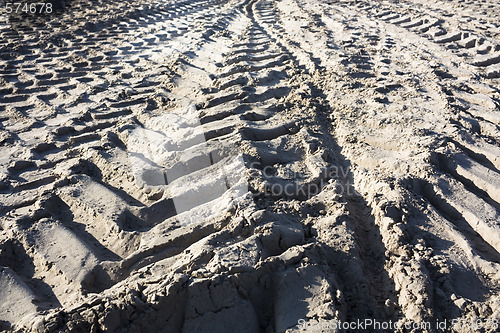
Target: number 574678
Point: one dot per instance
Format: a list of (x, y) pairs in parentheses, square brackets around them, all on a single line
[(33, 8)]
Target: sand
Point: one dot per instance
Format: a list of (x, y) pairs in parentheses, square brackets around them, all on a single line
[(250, 166)]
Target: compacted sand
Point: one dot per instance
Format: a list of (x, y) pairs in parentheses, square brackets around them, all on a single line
[(250, 166)]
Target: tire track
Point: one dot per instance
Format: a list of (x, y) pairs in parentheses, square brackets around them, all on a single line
[(365, 63), (469, 42), (252, 117), (200, 159), (71, 212)]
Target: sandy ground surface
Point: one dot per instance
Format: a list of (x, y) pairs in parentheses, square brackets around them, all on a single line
[(250, 166)]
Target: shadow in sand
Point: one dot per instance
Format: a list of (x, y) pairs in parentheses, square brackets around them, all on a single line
[(59, 209), (14, 256)]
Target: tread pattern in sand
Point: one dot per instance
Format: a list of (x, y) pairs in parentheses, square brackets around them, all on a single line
[(238, 165)]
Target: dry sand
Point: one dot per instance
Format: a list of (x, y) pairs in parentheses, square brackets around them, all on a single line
[(250, 165)]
